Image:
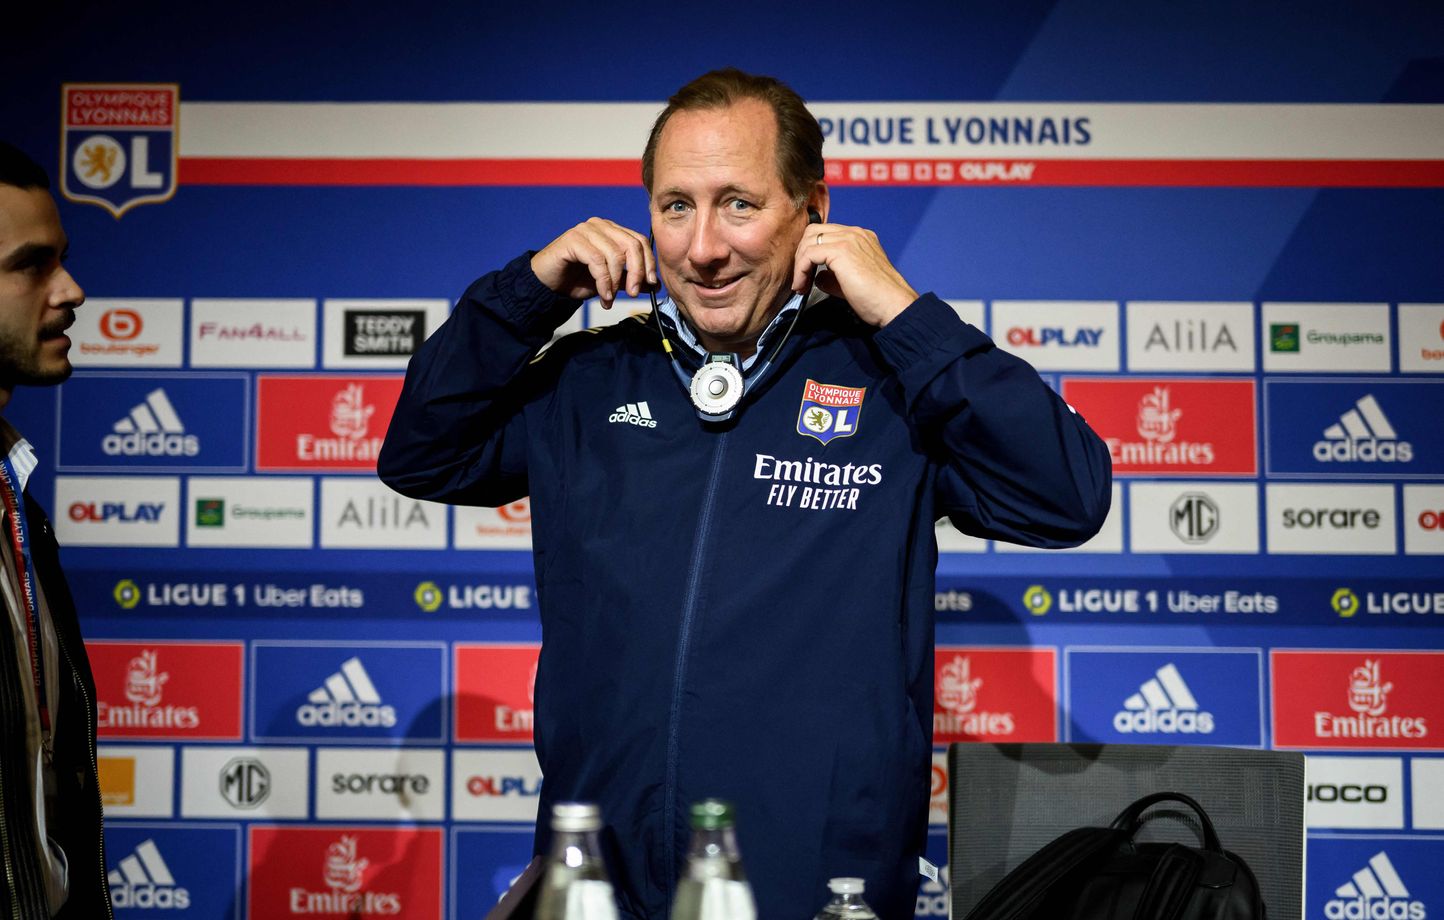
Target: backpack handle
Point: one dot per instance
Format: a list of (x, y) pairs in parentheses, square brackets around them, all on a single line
[(1131, 817)]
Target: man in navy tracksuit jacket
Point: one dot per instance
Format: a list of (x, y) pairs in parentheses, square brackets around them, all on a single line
[(740, 609)]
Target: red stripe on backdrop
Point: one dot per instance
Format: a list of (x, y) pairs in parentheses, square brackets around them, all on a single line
[(337, 171), (878, 172)]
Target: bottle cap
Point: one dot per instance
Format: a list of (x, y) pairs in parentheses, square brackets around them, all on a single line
[(845, 886), (576, 816), (712, 815)]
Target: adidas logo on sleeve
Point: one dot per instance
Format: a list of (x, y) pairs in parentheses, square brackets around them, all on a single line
[(637, 413), (1163, 704)]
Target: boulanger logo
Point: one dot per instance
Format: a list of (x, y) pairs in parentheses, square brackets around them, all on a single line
[(957, 711), (1375, 893), (151, 429), (1037, 600), (428, 596), (1345, 603), (1363, 434), (144, 686), (1164, 704), (126, 594), (347, 698), (143, 880)]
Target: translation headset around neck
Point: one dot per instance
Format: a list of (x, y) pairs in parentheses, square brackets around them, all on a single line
[(718, 382)]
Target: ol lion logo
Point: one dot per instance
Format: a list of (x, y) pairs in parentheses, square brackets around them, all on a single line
[(118, 143)]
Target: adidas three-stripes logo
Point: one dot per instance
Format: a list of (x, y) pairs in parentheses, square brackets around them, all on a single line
[(638, 413), (1163, 704), (347, 698), (351, 684), (155, 414), (1375, 891), (1363, 434), (143, 880)]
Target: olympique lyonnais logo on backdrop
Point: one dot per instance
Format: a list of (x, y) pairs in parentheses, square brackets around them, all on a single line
[(495, 692), (345, 872), (829, 411), (1358, 699), (309, 423), (1171, 427), (158, 690), (988, 694), (119, 143)]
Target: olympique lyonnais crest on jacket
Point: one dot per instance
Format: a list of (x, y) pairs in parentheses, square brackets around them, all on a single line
[(118, 143), (829, 411)]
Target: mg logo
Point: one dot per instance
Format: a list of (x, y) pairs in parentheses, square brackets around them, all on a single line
[(245, 782), (1194, 517)]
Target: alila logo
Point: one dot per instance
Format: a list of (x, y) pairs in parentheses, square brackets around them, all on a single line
[(345, 876), (638, 413), (144, 684), (144, 881), (1363, 435), (1376, 893), (347, 698), (1368, 694), (1165, 705), (151, 429), (957, 710)]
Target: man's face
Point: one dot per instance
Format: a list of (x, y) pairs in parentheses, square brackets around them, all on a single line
[(726, 230), (37, 295)]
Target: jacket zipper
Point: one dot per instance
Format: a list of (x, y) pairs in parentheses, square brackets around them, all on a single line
[(9, 865), (679, 673), (94, 767)]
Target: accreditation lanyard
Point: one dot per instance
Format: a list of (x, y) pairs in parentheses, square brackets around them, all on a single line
[(19, 534)]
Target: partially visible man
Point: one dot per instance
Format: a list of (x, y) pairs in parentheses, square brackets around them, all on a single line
[(737, 596), (50, 817)]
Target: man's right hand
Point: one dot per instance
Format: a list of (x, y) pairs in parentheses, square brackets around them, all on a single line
[(597, 258)]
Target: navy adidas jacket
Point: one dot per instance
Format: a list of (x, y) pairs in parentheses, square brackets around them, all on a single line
[(741, 611)]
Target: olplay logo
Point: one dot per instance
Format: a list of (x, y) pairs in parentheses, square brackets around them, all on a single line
[(1142, 695), (143, 880), (994, 694), (388, 784), (253, 333), (1376, 892), (1421, 338), (118, 143), (345, 872), (495, 785), (1354, 792), (245, 782), (136, 782), (139, 422), (1059, 335), (364, 513), (507, 527), (234, 512), (1169, 426), (1360, 429), (1331, 519), (157, 690), (495, 692), (117, 510), (378, 333), (1174, 337), (359, 692), (119, 332), (318, 423), (1194, 517), (1424, 520), (1326, 336), (1357, 699)]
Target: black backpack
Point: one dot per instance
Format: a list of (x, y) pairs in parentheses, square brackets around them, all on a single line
[(1100, 873)]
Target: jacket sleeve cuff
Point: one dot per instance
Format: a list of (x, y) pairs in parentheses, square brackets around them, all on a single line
[(928, 330), (523, 301)]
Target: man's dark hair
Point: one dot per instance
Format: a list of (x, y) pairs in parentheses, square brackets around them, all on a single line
[(19, 170), (799, 136)]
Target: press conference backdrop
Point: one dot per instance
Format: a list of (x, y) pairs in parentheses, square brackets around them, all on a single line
[(1215, 229)]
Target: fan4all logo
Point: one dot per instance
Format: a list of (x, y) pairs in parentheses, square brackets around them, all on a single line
[(119, 143), (1376, 892), (829, 411)]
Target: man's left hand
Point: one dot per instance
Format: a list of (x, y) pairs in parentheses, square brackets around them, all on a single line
[(852, 265)]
